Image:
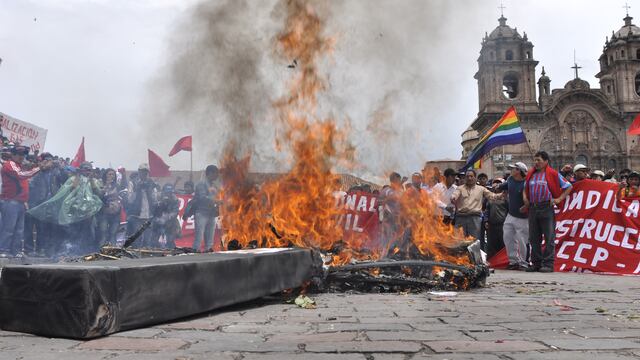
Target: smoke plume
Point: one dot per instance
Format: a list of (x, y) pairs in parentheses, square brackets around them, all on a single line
[(223, 77)]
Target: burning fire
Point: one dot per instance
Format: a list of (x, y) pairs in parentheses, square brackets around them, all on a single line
[(299, 208)]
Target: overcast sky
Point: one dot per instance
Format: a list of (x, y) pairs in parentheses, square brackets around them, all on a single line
[(84, 68)]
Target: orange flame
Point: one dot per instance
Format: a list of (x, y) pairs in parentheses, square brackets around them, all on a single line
[(298, 208)]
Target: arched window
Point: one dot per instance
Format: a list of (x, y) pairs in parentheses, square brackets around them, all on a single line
[(608, 89), (493, 55), (528, 54), (622, 54), (510, 86), (612, 164), (508, 55), (581, 159), (637, 82), (610, 59)]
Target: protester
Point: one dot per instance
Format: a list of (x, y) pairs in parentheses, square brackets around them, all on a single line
[(443, 192), (597, 175), (205, 207), (15, 195), (483, 179), (544, 189), (580, 173), (496, 215), (142, 202), (629, 188), (109, 216), (516, 224), (42, 187), (82, 233), (418, 183), (468, 202), (567, 172), (165, 222)]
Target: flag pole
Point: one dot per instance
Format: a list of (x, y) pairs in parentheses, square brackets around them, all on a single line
[(191, 167)]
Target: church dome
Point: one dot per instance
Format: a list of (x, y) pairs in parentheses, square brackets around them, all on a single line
[(627, 30), (504, 31)]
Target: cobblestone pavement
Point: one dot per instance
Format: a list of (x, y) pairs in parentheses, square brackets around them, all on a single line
[(517, 316)]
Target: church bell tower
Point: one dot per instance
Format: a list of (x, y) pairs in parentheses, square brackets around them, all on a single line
[(506, 71)]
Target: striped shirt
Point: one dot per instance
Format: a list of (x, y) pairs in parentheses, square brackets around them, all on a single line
[(539, 189)]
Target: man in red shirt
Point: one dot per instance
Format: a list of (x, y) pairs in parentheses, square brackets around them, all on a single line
[(14, 196)]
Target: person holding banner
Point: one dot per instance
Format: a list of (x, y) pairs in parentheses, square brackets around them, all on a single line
[(544, 189)]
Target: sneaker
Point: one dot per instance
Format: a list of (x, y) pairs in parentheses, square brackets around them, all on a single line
[(533, 269), (546, 269)]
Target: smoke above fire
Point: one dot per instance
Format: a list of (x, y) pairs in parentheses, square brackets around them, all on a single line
[(223, 76)]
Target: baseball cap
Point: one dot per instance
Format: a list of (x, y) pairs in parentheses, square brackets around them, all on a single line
[(143, 166), (599, 173), (579, 167), (520, 166)]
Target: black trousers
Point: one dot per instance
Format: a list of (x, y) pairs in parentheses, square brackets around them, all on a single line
[(542, 225)]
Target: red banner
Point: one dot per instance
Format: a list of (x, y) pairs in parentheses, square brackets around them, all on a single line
[(360, 218), (595, 232)]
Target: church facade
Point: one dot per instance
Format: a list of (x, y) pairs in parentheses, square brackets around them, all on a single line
[(574, 124)]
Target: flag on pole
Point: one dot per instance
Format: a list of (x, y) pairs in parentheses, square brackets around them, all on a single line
[(157, 166), (80, 157), (183, 144), (506, 131), (634, 129)]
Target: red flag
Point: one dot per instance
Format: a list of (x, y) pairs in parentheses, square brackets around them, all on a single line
[(157, 166), (182, 144), (79, 158), (634, 129)]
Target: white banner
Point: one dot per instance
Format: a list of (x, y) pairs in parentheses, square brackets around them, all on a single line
[(23, 133)]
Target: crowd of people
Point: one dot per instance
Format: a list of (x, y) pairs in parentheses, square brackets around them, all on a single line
[(50, 208), (514, 211)]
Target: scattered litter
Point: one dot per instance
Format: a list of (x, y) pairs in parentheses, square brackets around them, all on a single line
[(600, 310), (562, 306), (305, 302), (443, 293)]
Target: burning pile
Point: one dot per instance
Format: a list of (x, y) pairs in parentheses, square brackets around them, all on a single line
[(299, 208)]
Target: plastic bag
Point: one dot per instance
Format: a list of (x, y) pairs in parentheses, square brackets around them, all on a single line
[(70, 204)]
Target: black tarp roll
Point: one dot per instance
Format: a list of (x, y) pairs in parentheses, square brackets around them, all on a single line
[(91, 299)]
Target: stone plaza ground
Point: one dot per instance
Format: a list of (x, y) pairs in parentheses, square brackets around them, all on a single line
[(517, 316)]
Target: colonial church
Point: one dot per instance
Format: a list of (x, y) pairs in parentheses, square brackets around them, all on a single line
[(574, 124)]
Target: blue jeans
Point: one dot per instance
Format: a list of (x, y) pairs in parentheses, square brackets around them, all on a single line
[(204, 226), (108, 225), (12, 233)]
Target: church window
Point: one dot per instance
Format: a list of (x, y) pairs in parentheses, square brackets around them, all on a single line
[(581, 159), (493, 55), (608, 89), (610, 59), (612, 164), (528, 54), (622, 54), (508, 55), (637, 82), (638, 54), (510, 86)]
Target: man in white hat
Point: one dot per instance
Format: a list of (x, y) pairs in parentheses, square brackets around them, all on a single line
[(516, 225), (597, 175), (581, 172)]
